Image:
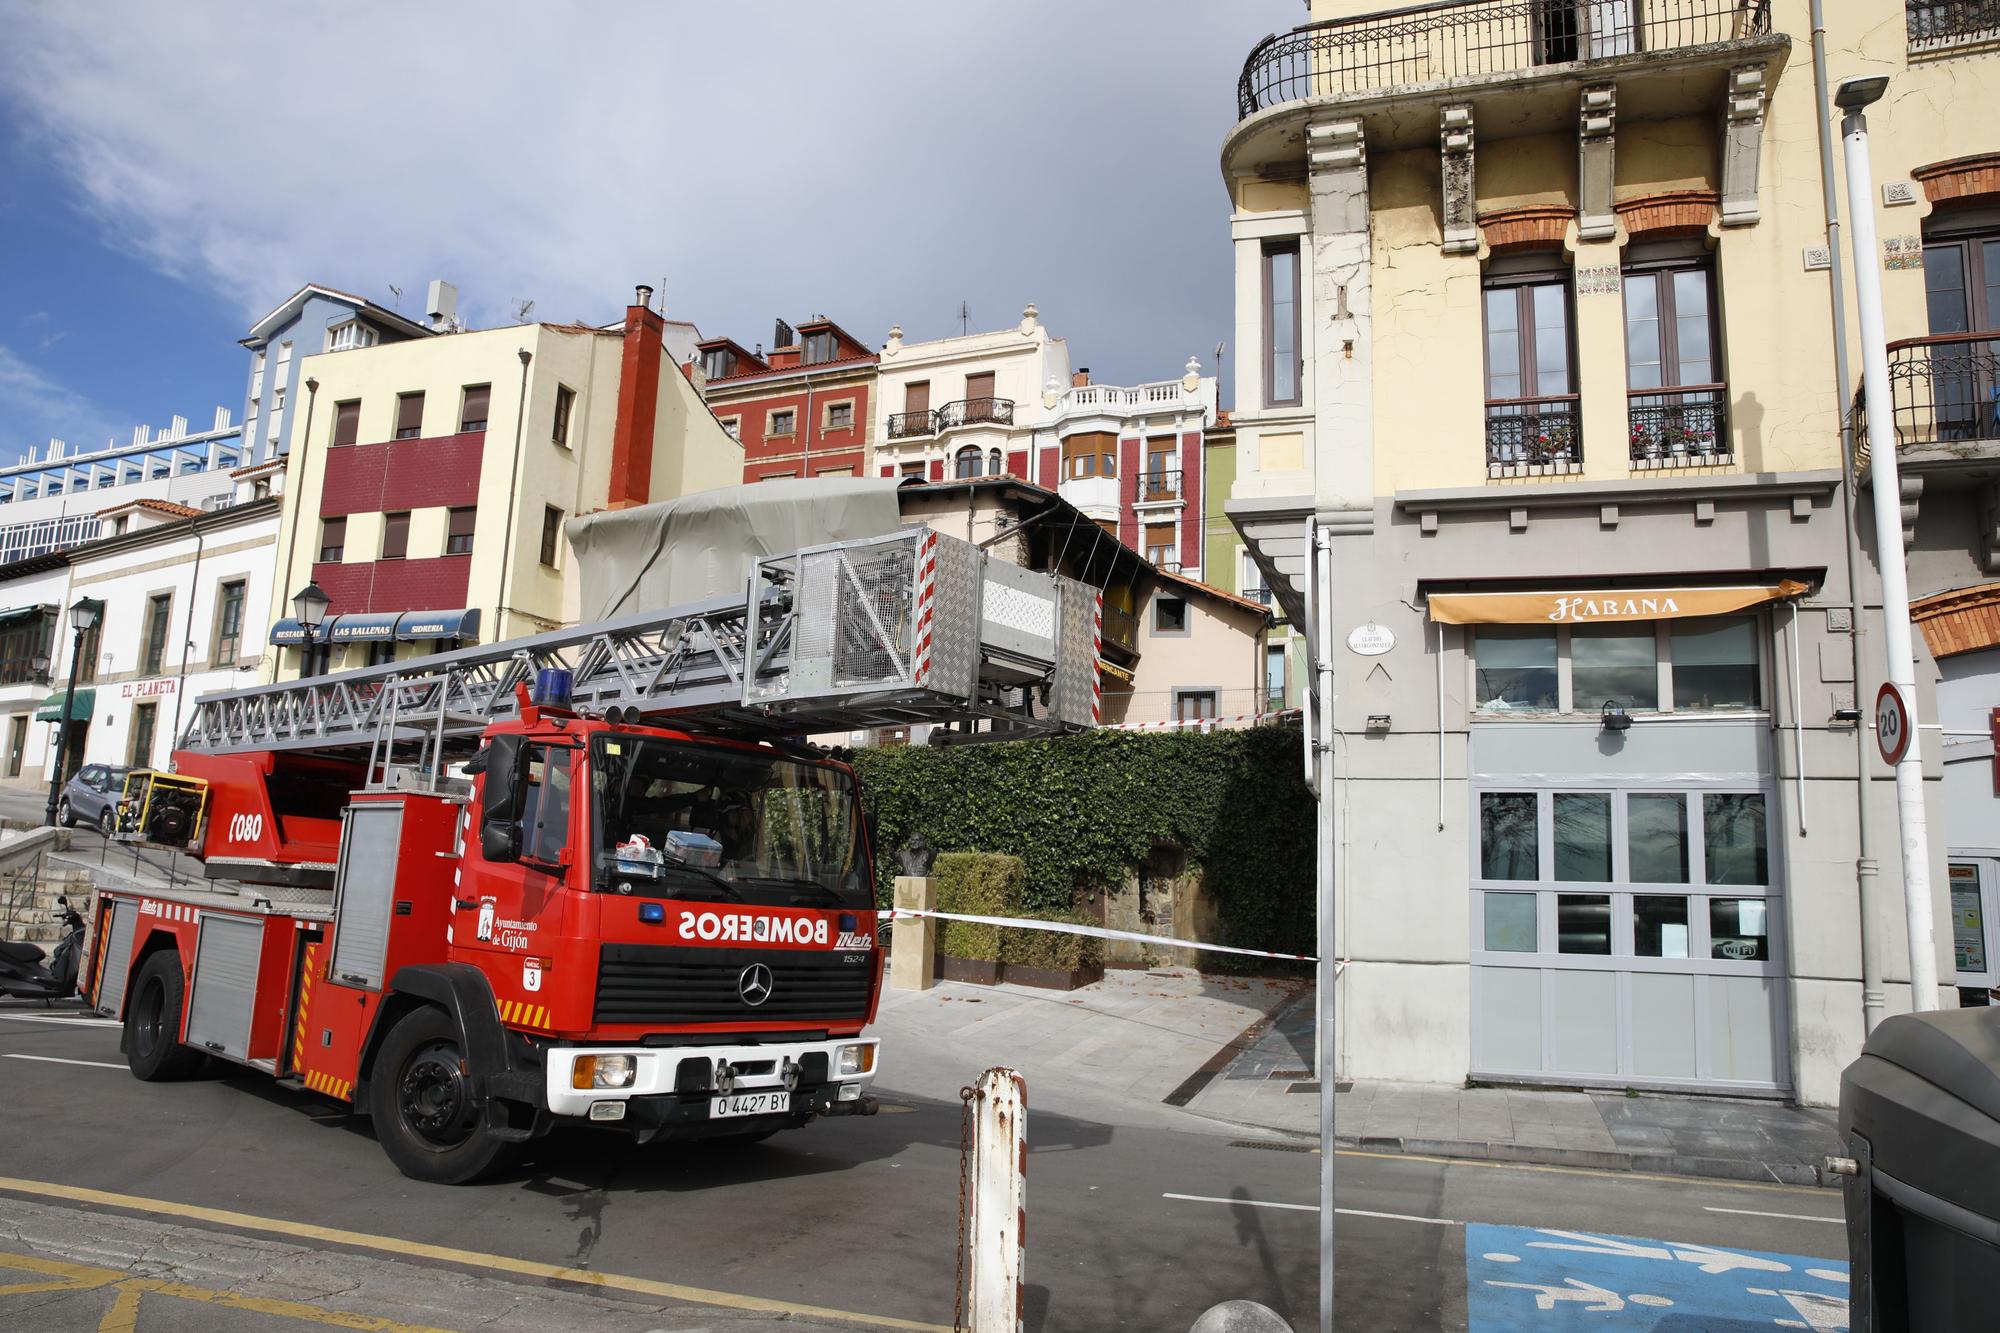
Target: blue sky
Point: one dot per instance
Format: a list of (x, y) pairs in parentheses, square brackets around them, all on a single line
[(170, 172)]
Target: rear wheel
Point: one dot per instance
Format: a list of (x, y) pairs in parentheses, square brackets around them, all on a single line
[(426, 1117), (64, 815), (153, 1047)]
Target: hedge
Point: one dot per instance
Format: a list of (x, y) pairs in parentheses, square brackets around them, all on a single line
[(1082, 812), (990, 884)]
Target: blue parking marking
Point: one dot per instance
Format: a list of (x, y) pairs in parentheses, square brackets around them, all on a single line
[(1542, 1279)]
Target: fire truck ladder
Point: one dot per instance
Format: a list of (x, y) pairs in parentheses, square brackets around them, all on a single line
[(910, 628)]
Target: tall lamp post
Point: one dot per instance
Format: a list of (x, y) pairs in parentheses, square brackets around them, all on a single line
[(1854, 97), (309, 609), (83, 619)]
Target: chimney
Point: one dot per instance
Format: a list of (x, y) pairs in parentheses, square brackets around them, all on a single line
[(1081, 378), (441, 304), (638, 405), (643, 295)]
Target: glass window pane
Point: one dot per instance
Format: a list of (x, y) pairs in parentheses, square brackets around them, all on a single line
[(1739, 929), (1510, 922), (1944, 288), (1659, 926), (1551, 340), (1508, 843), (1502, 310), (1515, 669), (1614, 662), (1583, 923), (1715, 664), (1583, 836), (1732, 829), (1656, 838)]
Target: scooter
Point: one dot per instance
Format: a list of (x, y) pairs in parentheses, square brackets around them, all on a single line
[(22, 973)]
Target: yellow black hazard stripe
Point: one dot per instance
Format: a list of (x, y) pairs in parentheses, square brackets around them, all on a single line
[(524, 1014)]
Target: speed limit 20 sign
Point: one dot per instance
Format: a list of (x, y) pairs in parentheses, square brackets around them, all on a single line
[(1892, 724)]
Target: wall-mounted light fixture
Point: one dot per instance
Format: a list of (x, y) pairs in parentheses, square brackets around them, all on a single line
[(1615, 717)]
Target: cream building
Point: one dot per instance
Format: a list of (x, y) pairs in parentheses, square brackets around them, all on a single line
[(1533, 320), (432, 479), (971, 406)]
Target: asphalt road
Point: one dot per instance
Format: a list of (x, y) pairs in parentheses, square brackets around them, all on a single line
[(1129, 1227)]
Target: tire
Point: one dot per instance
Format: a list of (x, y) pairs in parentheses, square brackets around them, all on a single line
[(107, 822), (425, 1118), (153, 1047), (64, 815)]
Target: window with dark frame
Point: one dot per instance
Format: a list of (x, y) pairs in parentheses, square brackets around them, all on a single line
[(1284, 368), (1678, 404), (1709, 664), (1090, 454), (783, 422), (395, 536), (229, 621), (409, 415), (1170, 615), (552, 519), (472, 417), (1194, 705), (332, 539), (840, 416), (718, 362), (159, 611), (818, 348), (145, 722), (1532, 418), (565, 405), (346, 422), (966, 463), (458, 532), (1961, 296)]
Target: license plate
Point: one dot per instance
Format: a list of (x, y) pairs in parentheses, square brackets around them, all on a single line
[(750, 1103)]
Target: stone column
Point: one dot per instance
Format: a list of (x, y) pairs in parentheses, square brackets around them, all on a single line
[(1339, 304), (913, 944)]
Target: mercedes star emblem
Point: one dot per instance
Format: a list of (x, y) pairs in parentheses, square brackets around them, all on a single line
[(755, 984)]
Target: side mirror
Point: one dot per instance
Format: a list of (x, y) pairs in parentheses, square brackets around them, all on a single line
[(505, 771)]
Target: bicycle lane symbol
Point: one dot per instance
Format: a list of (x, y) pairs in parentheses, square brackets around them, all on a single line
[(1526, 1278)]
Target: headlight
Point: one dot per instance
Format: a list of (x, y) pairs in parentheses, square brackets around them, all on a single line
[(602, 1071), (855, 1060)]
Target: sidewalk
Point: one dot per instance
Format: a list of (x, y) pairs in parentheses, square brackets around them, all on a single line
[(1268, 1086)]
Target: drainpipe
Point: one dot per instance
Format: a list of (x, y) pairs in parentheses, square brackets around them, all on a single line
[(513, 486), (297, 499), (1866, 870)]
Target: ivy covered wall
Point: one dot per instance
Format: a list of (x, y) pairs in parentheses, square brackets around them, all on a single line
[(1083, 811)]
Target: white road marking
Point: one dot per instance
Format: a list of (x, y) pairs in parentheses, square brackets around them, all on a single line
[(64, 1022), (1313, 1208), (1789, 1217), (58, 1060)]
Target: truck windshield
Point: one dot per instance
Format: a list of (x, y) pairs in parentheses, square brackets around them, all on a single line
[(673, 820)]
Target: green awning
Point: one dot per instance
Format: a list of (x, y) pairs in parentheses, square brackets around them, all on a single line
[(81, 705)]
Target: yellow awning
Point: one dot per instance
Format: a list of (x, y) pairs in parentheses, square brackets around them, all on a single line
[(1113, 670), (1603, 605)]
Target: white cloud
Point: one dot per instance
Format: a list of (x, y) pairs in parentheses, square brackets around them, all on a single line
[(42, 409), (877, 165)]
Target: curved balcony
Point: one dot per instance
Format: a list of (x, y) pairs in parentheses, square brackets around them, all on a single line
[(912, 425), (973, 411), (1431, 43)]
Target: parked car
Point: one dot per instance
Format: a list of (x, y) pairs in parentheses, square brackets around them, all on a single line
[(91, 797)]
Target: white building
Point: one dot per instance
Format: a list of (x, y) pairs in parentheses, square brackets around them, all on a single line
[(970, 406)]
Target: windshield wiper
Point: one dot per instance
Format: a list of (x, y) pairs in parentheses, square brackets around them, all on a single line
[(709, 875), (826, 895)]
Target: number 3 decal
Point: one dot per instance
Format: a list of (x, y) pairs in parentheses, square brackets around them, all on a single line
[(246, 828)]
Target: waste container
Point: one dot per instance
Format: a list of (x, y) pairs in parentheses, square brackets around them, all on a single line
[(1920, 1113)]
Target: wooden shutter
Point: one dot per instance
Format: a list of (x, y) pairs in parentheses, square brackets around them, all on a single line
[(346, 422), (396, 536), (409, 415), (474, 415), (980, 385), (917, 397)]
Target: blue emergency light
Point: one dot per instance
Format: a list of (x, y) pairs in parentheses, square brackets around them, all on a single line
[(653, 913), (552, 686)]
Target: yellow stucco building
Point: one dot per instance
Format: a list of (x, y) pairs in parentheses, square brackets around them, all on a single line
[(1534, 319)]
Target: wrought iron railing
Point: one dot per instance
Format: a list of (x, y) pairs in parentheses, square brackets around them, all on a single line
[(970, 411), (1121, 629), (1160, 484), (1942, 389), (1533, 437), (1935, 24), (906, 425), (1427, 43), (1684, 426)]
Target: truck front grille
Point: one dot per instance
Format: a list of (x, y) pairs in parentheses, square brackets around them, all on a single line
[(649, 983)]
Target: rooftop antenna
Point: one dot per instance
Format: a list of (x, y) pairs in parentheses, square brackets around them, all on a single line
[(522, 309), (397, 293), (964, 318)]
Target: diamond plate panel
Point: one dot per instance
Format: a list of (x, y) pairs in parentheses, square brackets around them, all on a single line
[(955, 639), (1076, 655)]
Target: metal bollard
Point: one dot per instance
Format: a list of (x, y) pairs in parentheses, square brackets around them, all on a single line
[(994, 1206)]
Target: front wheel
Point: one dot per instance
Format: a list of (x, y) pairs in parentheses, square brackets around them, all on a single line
[(64, 815), (107, 823), (153, 1049), (426, 1117)]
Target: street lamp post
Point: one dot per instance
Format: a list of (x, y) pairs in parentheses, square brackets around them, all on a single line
[(1853, 97), (309, 608), (82, 619)]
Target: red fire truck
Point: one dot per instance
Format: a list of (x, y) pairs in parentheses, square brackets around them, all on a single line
[(591, 876)]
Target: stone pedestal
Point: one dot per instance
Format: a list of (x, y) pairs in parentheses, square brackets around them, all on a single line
[(913, 945)]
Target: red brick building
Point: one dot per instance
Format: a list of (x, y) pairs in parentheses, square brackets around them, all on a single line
[(802, 409)]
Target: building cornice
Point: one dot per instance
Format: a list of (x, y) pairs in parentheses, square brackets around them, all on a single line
[(1583, 495)]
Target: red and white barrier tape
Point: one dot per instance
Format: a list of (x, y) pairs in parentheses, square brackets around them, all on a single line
[(1097, 932), (1235, 719)]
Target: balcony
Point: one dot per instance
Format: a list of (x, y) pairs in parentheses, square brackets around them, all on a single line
[(912, 425), (1944, 393), (974, 411), (1686, 426), (1421, 44), (1941, 25), (1533, 437), (1159, 486), (1121, 630)]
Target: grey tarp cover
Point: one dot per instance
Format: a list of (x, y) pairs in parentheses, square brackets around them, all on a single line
[(687, 550)]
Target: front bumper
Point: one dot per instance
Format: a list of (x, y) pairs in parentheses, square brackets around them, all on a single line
[(674, 1084)]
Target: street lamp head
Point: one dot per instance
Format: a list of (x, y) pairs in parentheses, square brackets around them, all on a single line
[(312, 385), (309, 606), (83, 615), (1861, 92)]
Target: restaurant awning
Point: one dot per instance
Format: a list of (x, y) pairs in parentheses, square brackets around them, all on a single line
[(290, 631), (381, 626), (365, 627), (1604, 605), (81, 705), (15, 615), (438, 624)]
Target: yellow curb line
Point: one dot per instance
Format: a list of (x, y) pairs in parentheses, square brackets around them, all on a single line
[(470, 1258)]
